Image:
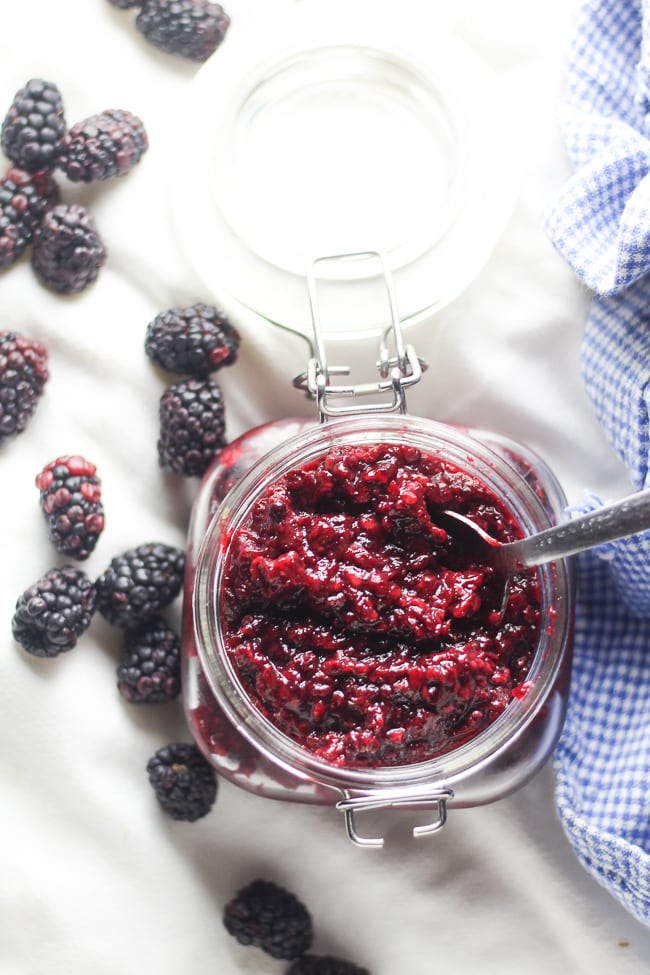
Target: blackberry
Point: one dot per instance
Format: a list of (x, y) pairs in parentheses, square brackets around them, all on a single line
[(68, 252), (192, 426), (324, 965), (271, 918), (192, 29), (34, 126), (184, 783), (192, 341), (150, 667), (125, 4), (24, 198), (23, 374), (102, 146), (139, 583), (52, 614), (70, 499)]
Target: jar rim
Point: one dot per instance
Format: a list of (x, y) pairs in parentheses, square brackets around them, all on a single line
[(464, 451)]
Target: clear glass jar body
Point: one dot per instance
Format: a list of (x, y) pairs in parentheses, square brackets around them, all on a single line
[(245, 747)]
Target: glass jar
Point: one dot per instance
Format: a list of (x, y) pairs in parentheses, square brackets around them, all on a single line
[(247, 748), (329, 131)]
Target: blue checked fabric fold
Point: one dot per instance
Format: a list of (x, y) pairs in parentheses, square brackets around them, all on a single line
[(601, 226)]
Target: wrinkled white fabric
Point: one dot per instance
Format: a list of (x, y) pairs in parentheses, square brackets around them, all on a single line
[(94, 877)]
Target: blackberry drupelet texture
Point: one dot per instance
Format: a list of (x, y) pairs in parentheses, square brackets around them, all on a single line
[(34, 126), (149, 671), (192, 426), (324, 965), (23, 374), (139, 583), (24, 198), (52, 614), (192, 341), (70, 498), (269, 917), (184, 782), (102, 146), (68, 252), (192, 29)]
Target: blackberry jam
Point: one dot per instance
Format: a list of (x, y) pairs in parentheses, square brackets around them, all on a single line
[(340, 647)]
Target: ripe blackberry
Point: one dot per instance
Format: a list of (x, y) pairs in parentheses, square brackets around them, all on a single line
[(23, 374), (68, 252), (271, 918), (192, 341), (70, 499), (102, 146), (34, 126), (192, 29), (184, 782), (52, 614), (139, 583), (150, 668), (324, 965), (24, 198), (192, 426)]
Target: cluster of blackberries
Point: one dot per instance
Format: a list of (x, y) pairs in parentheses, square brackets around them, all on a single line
[(67, 251), (192, 342), (131, 593), (267, 916), (52, 614), (191, 29)]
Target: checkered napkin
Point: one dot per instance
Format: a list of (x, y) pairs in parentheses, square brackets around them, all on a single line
[(601, 225)]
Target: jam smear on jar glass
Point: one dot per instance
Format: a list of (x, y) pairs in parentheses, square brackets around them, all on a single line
[(357, 625)]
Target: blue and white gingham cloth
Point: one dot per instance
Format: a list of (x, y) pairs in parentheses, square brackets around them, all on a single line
[(601, 226)]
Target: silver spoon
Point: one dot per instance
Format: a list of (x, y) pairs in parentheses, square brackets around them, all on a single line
[(621, 518)]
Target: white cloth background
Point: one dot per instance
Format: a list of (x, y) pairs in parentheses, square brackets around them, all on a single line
[(93, 877)]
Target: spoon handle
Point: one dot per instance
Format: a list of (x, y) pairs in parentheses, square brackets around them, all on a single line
[(624, 517)]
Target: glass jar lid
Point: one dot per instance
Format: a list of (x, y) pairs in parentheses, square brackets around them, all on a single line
[(336, 128)]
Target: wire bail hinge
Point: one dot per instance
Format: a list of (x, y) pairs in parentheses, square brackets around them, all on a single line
[(397, 363), (437, 801)]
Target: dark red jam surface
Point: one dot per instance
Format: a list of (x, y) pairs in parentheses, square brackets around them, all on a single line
[(357, 625)]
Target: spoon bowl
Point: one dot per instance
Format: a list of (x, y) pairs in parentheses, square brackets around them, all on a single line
[(620, 519)]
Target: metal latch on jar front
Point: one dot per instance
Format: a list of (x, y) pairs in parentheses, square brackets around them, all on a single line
[(351, 805), (397, 363)]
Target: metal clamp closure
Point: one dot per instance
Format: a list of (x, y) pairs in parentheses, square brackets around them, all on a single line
[(397, 364), (353, 804)]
